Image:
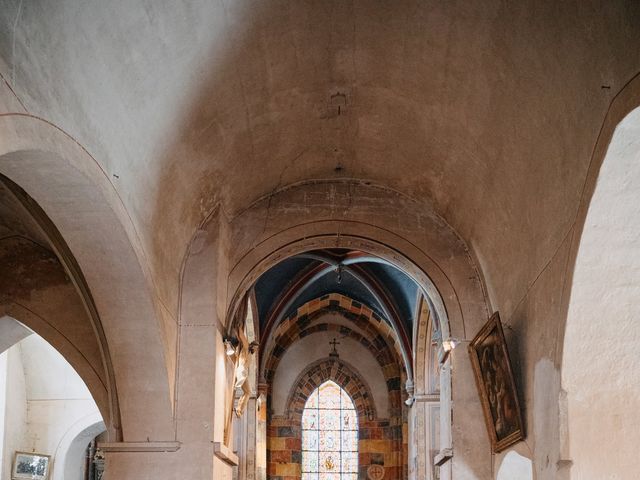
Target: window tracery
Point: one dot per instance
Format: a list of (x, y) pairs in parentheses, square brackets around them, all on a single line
[(329, 435)]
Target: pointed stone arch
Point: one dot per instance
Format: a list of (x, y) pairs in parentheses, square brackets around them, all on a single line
[(340, 372), (393, 227), (601, 306), (380, 441), (67, 184), (377, 333)]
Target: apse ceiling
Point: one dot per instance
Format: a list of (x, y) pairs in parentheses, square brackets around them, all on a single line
[(367, 279)]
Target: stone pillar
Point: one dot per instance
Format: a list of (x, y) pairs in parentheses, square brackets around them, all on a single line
[(249, 444), (261, 431), (418, 453), (425, 417), (197, 448)]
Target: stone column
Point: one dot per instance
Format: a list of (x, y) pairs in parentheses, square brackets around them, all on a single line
[(261, 431), (197, 449)]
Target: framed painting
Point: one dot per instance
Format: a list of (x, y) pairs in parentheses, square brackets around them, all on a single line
[(496, 385), (33, 466)]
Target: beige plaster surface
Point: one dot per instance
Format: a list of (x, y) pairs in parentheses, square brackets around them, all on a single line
[(602, 326), (515, 467), (471, 132), (208, 102), (315, 347), (11, 332)]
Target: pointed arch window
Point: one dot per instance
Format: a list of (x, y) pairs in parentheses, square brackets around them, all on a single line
[(329, 435)]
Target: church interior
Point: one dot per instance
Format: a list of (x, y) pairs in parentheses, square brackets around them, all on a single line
[(319, 240)]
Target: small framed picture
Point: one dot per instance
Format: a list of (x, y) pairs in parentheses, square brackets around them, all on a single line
[(33, 466), (496, 385)]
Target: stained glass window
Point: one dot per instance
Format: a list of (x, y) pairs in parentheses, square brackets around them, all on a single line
[(329, 435)]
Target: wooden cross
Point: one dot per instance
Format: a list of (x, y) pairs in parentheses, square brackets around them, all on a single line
[(334, 352)]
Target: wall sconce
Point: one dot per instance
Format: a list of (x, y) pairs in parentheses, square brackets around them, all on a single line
[(231, 346), (410, 388), (448, 346)]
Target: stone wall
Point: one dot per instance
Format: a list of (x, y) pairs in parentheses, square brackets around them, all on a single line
[(380, 441)]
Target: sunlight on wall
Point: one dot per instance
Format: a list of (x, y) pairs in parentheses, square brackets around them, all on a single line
[(43, 401), (515, 467), (600, 373)]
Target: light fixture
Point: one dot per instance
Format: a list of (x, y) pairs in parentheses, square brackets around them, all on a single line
[(230, 346), (450, 344), (447, 347), (410, 388)]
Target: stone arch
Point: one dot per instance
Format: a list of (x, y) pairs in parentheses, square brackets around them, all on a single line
[(380, 335), (601, 326), (301, 324), (413, 234), (68, 185), (340, 372), (435, 257), (74, 354), (68, 423), (69, 456), (383, 357), (379, 440), (36, 291), (404, 232)]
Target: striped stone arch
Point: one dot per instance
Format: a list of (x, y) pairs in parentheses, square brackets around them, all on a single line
[(378, 333), (343, 375), (390, 365)]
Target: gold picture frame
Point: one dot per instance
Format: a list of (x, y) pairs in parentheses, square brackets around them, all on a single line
[(496, 385)]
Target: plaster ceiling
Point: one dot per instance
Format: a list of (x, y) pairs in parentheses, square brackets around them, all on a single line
[(487, 110)]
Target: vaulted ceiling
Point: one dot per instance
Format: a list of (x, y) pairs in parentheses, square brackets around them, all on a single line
[(487, 110), (367, 279)]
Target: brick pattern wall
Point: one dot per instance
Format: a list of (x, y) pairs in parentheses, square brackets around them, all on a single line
[(377, 336), (391, 370), (380, 440), (375, 329)]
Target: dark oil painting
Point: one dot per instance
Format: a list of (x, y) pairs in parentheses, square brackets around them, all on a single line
[(496, 385)]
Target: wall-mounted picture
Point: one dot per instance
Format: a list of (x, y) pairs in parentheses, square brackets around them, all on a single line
[(33, 466), (496, 385)]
